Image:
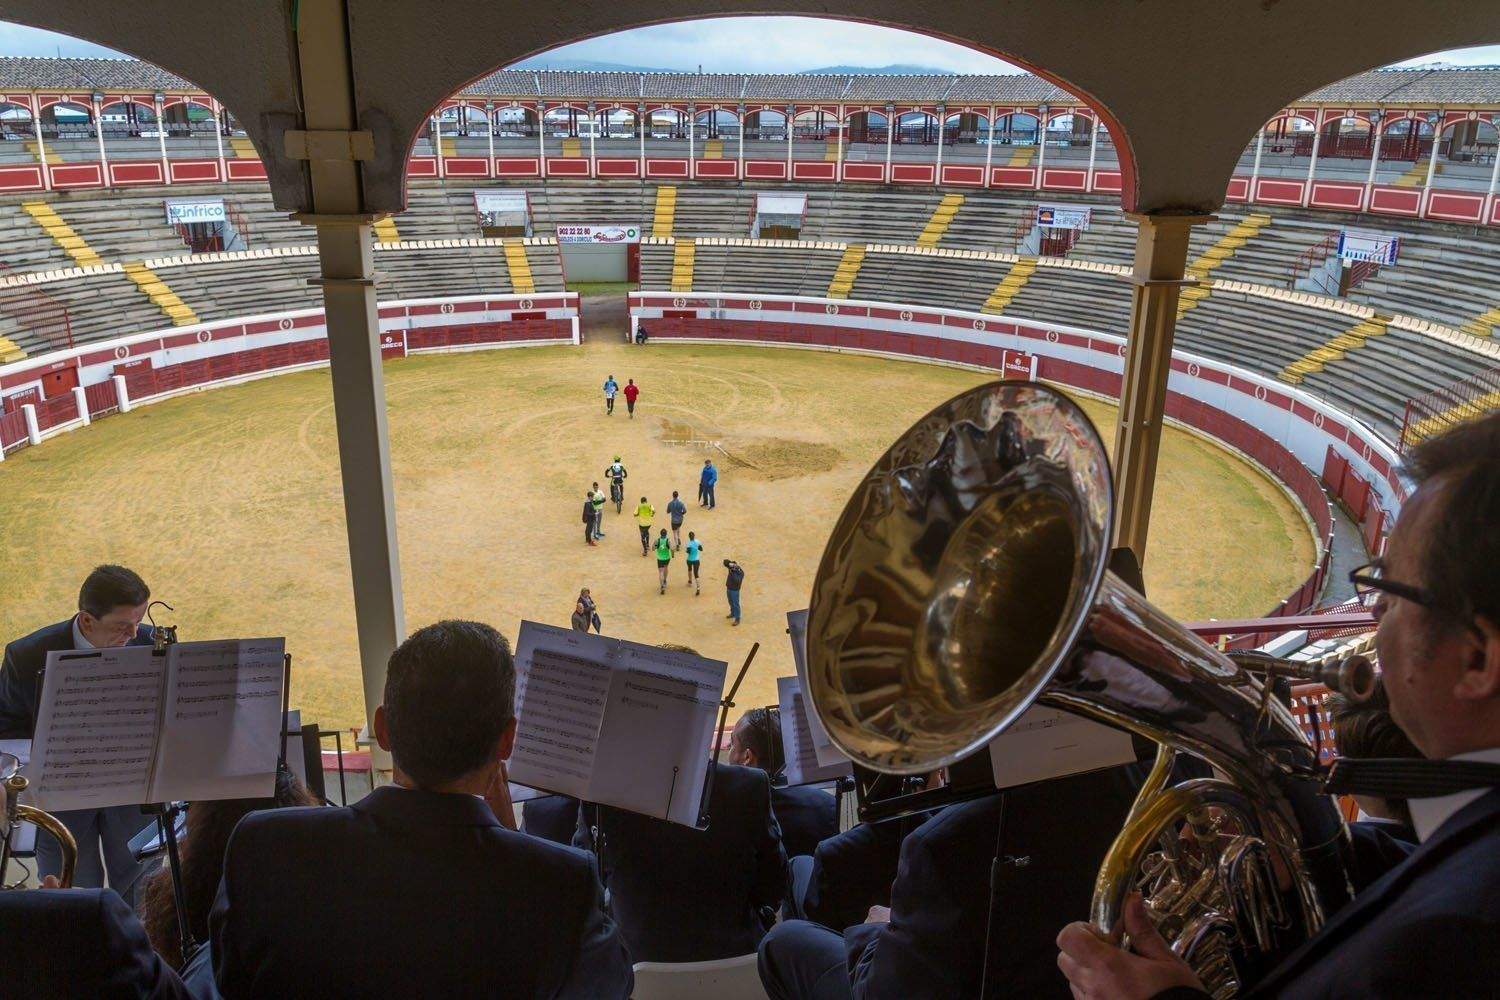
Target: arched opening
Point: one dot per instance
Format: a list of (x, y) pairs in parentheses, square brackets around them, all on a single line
[(128, 120), (619, 124), (1407, 139), (715, 123), (464, 121), (1016, 129), (868, 128), (765, 125), (916, 128), (63, 120), (187, 118), (666, 123), (15, 122)]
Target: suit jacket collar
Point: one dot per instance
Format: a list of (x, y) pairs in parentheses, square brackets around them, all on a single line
[(1458, 831), (411, 805)]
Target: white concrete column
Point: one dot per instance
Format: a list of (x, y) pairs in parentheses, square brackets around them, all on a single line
[(1260, 143), (1093, 149), (541, 137), (41, 147), (989, 145), (1369, 191), (942, 122), (692, 125), (489, 135), (593, 154), (161, 138), (891, 117), (1489, 194), (81, 400), (1312, 161), (122, 394), (33, 433), (838, 156), (436, 131), (96, 103), (218, 140), (1041, 143), (1161, 252), (1437, 140), (791, 118), (740, 173), (577, 333), (641, 123)]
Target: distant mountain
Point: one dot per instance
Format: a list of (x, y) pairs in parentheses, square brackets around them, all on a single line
[(594, 66), (589, 66)]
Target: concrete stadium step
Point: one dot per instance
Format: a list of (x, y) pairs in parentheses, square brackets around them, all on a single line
[(449, 148), (1484, 324), (665, 212), (846, 272), (942, 218), (10, 351), (1021, 156), (683, 256), (571, 148), (1469, 409), (1227, 246), (713, 149), (386, 231), (243, 148), (1334, 350), (1416, 176), (831, 151), (37, 152), (1015, 279), (62, 233), (519, 267), (150, 285), (1190, 296)]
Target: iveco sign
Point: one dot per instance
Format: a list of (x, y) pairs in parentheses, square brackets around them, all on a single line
[(186, 211)]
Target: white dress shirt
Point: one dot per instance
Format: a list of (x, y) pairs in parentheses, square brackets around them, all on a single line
[(79, 642), (1427, 815)]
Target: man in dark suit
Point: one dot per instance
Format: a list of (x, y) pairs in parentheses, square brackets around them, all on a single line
[(68, 943), (551, 817), (686, 895), (930, 943), (1427, 927), (848, 873), (431, 869), (807, 815), (111, 604)]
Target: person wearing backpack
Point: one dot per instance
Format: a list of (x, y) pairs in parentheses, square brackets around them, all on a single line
[(732, 588)]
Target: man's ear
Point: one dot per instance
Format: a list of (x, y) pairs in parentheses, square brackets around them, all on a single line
[(507, 741), (1480, 677), (382, 729)]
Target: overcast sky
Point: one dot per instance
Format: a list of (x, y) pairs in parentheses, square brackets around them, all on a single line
[(735, 44)]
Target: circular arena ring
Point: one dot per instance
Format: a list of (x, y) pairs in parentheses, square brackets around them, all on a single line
[(229, 501)]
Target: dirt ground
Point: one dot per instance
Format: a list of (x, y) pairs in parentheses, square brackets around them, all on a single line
[(229, 503)]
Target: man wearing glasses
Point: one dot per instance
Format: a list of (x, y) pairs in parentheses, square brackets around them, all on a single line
[(1429, 926), (111, 605)]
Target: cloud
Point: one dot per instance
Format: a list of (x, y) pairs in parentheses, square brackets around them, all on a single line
[(1479, 55), (19, 40)]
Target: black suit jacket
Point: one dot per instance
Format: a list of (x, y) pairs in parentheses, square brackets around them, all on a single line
[(807, 816), (411, 894), (21, 668), (1429, 927), (78, 943), (686, 895), (934, 943), (853, 871), (551, 817), (1379, 846)]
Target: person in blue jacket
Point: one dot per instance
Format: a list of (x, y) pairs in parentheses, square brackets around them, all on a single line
[(706, 481), (610, 388)]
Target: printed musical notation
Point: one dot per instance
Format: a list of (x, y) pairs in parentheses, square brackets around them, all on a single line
[(802, 764), (126, 725), (562, 701), (1050, 743)]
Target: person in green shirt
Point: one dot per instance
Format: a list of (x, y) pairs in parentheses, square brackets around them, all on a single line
[(643, 515), (663, 557), (597, 500)]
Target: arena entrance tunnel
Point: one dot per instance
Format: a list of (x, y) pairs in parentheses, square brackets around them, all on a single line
[(334, 93)]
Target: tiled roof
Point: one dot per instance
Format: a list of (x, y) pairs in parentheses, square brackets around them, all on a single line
[(1479, 85)]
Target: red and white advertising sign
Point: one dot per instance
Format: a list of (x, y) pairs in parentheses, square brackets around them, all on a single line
[(1017, 365)]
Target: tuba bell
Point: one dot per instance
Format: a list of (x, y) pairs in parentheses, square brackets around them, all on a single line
[(12, 785), (966, 580)]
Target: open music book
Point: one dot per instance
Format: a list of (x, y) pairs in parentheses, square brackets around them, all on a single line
[(802, 766), (614, 722), (127, 725)]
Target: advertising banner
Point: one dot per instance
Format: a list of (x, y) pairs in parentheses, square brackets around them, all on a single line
[(1017, 365), (187, 211), (1062, 216), (1362, 244), (598, 234)]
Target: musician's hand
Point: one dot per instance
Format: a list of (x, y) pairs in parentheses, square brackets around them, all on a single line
[(1097, 967), (50, 882), (498, 798), (878, 915)]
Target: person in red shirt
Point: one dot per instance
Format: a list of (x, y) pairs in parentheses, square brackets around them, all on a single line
[(631, 391)]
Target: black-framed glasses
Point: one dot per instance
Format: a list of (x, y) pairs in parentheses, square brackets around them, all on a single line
[(1370, 579)]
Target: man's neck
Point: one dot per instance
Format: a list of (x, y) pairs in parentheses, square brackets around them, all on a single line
[(476, 783)]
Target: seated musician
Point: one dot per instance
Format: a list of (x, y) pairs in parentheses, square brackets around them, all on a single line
[(1428, 927), (1383, 835), (68, 943), (424, 887), (551, 817), (806, 815), (931, 941)]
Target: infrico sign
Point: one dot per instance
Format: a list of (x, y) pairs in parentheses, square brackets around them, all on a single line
[(598, 234), (186, 211)]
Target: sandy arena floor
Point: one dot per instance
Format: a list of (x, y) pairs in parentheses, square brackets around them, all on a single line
[(228, 502)]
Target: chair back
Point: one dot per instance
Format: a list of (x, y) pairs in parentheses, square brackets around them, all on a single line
[(722, 979)]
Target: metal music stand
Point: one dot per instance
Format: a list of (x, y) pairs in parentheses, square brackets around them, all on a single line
[(725, 704)]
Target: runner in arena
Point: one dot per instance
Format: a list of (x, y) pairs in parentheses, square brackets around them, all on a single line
[(631, 391), (597, 499), (643, 515), (694, 552), (616, 474), (663, 558), (610, 388), (676, 510)]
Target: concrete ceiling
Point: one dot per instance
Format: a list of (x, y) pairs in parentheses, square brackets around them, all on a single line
[(1183, 84)]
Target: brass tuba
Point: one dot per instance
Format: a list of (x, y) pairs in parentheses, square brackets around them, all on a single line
[(12, 785), (966, 580)]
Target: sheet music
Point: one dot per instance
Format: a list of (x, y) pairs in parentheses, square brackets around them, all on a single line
[(828, 755), (223, 720), (95, 739), (639, 770), (563, 683), (802, 767), (1050, 743), (608, 721)]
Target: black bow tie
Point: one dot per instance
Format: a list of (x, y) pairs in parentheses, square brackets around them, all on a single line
[(1404, 778)]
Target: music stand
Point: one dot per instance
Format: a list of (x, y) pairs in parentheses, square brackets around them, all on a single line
[(725, 704)]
